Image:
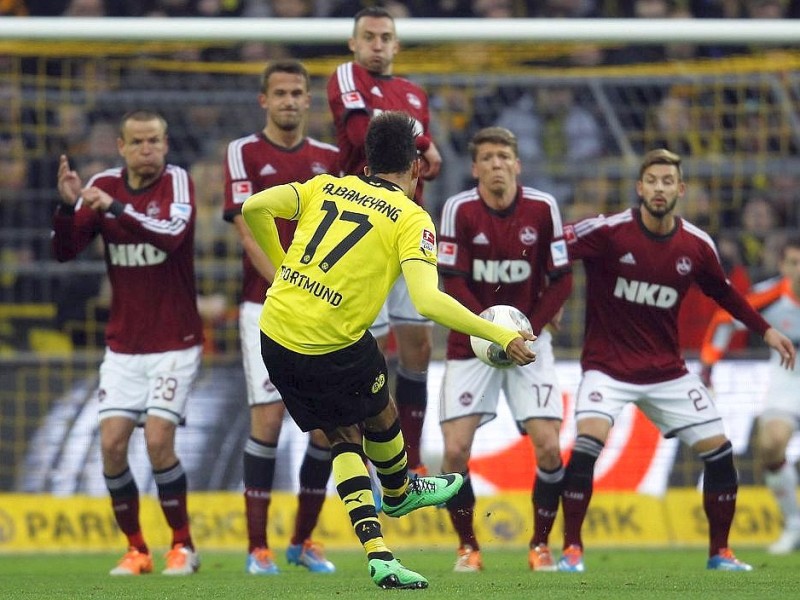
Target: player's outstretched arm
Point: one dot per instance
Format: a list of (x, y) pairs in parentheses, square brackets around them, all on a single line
[(783, 345), (423, 287)]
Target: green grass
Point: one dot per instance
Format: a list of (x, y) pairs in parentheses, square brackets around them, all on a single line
[(611, 574)]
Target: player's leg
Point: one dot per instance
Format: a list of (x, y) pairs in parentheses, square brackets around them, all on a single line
[(385, 448), (124, 388), (414, 336), (547, 487), (534, 396), (599, 401), (720, 487), (458, 434), (468, 398), (684, 408), (171, 376), (353, 485), (775, 430), (414, 343), (261, 448), (314, 474)]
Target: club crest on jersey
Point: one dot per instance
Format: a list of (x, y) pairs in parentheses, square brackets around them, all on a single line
[(414, 100), (353, 100), (528, 235), (684, 265), (447, 253), (465, 399), (428, 241), (569, 234), (153, 209), (241, 190)]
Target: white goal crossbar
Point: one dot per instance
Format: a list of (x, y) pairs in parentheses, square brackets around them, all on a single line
[(630, 31)]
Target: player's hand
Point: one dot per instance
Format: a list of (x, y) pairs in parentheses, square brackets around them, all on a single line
[(705, 376), (783, 346), (519, 349), (96, 199), (69, 183), (431, 162)]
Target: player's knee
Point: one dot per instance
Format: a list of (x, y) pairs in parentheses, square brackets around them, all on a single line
[(114, 449)]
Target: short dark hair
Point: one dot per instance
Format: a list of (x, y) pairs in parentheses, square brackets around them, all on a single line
[(140, 114), (493, 135), (294, 67), (376, 12), (391, 142), (661, 156)]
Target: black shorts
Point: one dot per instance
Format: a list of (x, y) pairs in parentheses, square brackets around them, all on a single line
[(329, 390)]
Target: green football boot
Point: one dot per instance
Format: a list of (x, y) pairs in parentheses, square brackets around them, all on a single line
[(425, 491), (390, 574)]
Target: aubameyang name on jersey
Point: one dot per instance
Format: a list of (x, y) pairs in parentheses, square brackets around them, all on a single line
[(135, 255), (381, 206), (315, 288), (650, 294)]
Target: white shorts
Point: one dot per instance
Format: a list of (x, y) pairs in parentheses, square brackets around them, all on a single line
[(259, 386), (783, 398), (137, 385), (471, 387), (681, 407), (397, 310)]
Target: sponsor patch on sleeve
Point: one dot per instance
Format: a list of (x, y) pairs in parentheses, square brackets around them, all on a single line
[(428, 241), (353, 100), (558, 251), (241, 190), (180, 210), (447, 253)]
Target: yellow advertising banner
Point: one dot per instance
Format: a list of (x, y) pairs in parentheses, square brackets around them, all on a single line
[(81, 523)]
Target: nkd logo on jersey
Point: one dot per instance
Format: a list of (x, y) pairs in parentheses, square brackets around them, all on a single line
[(135, 255), (641, 292), (501, 271)]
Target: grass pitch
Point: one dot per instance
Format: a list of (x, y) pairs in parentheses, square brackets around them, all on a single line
[(611, 574)]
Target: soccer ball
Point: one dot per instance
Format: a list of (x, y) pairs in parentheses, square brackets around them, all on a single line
[(490, 352)]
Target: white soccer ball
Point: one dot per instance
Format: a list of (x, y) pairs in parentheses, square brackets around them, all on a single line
[(490, 352)]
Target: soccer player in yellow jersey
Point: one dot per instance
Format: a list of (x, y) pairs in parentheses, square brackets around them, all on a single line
[(354, 237)]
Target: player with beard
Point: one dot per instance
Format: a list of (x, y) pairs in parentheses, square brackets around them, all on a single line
[(357, 92), (145, 214), (279, 153), (639, 265)]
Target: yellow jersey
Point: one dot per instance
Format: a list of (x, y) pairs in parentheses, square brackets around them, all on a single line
[(352, 235)]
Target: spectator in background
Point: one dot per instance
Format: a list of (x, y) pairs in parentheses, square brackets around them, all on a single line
[(279, 153), (357, 92), (679, 123), (555, 135), (776, 300), (145, 215), (563, 9), (758, 222), (501, 223)]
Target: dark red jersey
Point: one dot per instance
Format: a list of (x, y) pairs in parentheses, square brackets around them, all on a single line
[(501, 256), (149, 252), (352, 88), (254, 164), (635, 283)]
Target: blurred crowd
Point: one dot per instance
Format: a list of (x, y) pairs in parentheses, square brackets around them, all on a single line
[(756, 9)]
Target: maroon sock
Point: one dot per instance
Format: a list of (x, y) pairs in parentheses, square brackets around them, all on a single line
[(309, 506), (412, 418), (719, 507), (462, 520), (545, 498), (125, 504), (256, 503), (171, 485)]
